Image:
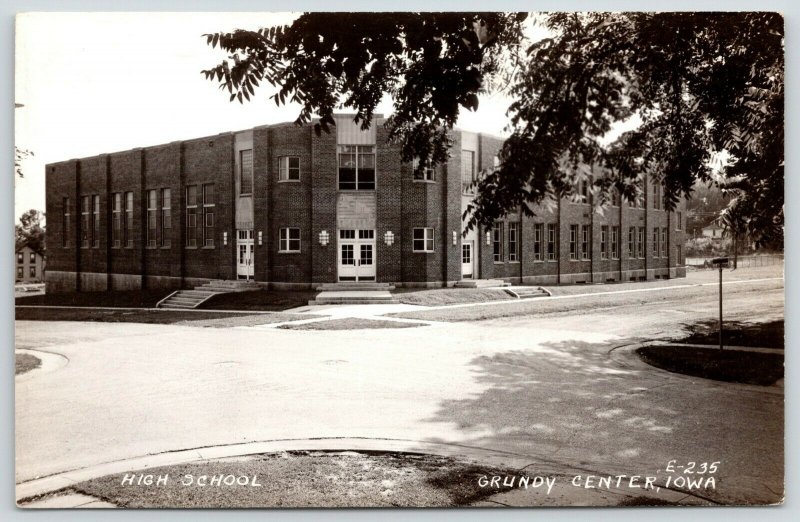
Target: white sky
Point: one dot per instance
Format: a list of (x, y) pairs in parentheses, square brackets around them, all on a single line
[(104, 82)]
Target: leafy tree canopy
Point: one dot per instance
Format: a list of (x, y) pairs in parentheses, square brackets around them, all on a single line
[(30, 230), (705, 86)]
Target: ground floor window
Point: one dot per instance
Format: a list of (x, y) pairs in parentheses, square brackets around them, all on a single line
[(641, 245), (497, 242), (656, 244), (585, 251), (604, 242), (20, 272), (513, 242), (423, 240), (289, 240), (551, 242), (614, 242), (573, 242), (537, 241), (664, 242), (632, 242), (33, 271)]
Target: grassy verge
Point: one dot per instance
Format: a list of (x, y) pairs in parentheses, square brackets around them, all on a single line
[(763, 369), (25, 362), (446, 296), (261, 300), (114, 298), (350, 323), (117, 316), (737, 333), (308, 479)]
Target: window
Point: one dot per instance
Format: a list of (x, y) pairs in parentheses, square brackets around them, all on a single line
[(573, 242), (128, 230), (424, 173), (551, 242), (657, 199), (20, 258), (604, 242), (513, 242), (638, 201), (208, 215), (356, 167), (632, 242), (32, 270), (191, 216), (67, 207), (497, 242), (586, 253), (366, 234), (679, 221), (152, 218), (467, 171), (614, 242), (664, 242), (584, 192), (616, 198), (641, 243), (347, 234), (423, 240), (289, 168), (116, 221), (246, 171), (20, 272), (95, 221), (679, 254), (32, 258), (166, 217), (85, 223), (656, 244), (289, 240), (537, 241)]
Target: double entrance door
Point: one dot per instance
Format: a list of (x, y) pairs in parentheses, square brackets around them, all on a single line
[(244, 254), (356, 255)]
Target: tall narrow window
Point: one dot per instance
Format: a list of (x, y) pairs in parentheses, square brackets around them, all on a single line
[(128, 230), (513, 242), (424, 172), (664, 242), (246, 171), (497, 242), (551, 241), (538, 230), (356, 167), (656, 244), (679, 221), (604, 242), (20, 258), (467, 171), (116, 221), (191, 216), (289, 168), (657, 198), (679, 254), (641, 243), (95, 221), (66, 239), (85, 221), (573, 242), (152, 218), (632, 242), (584, 191), (614, 242), (422, 240), (616, 198), (166, 217), (208, 215), (586, 252), (289, 240)]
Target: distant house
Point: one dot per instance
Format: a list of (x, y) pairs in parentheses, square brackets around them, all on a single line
[(29, 265), (713, 230)]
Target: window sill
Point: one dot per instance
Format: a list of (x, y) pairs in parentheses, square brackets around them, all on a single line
[(513, 262), (423, 251), (289, 251), (356, 190), (429, 181)]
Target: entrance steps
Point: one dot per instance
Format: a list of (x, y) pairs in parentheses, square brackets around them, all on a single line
[(187, 299), (526, 292), (481, 283), (354, 293), (348, 286)]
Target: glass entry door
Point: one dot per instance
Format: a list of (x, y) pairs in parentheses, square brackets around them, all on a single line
[(356, 255), (244, 254)]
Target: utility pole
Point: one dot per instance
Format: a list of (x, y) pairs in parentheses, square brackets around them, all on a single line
[(720, 262)]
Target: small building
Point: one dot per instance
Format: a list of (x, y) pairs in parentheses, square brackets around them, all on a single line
[(713, 230), (287, 208), (29, 265)]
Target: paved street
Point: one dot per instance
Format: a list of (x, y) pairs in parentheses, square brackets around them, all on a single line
[(544, 385)]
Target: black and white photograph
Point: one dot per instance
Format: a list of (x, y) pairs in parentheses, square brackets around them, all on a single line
[(399, 259)]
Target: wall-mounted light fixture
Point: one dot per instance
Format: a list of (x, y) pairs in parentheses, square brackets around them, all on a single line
[(324, 238), (260, 238), (455, 237), (388, 238), (224, 238), (488, 239)]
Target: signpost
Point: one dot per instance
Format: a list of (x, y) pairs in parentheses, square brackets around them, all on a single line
[(720, 262)]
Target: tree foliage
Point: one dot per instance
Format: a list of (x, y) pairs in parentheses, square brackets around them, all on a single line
[(701, 83), (20, 155), (30, 230)]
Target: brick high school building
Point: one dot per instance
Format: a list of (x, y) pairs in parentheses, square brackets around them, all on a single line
[(285, 207)]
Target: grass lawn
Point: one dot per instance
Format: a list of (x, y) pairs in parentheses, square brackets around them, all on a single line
[(731, 366), (114, 298), (25, 362), (446, 296), (737, 333), (119, 316), (308, 479), (350, 323), (261, 300)]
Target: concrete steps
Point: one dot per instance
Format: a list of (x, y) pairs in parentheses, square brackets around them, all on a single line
[(481, 283), (347, 286), (329, 297), (189, 299), (526, 292)]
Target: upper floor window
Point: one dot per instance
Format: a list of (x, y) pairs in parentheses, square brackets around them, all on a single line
[(616, 198), (246, 171), (20, 258), (95, 221), (679, 221), (152, 201), (166, 217), (467, 171), (128, 230), (356, 167), (657, 197), (289, 168), (67, 209), (116, 220), (424, 173), (32, 258), (584, 191), (85, 221), (423, 240)]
